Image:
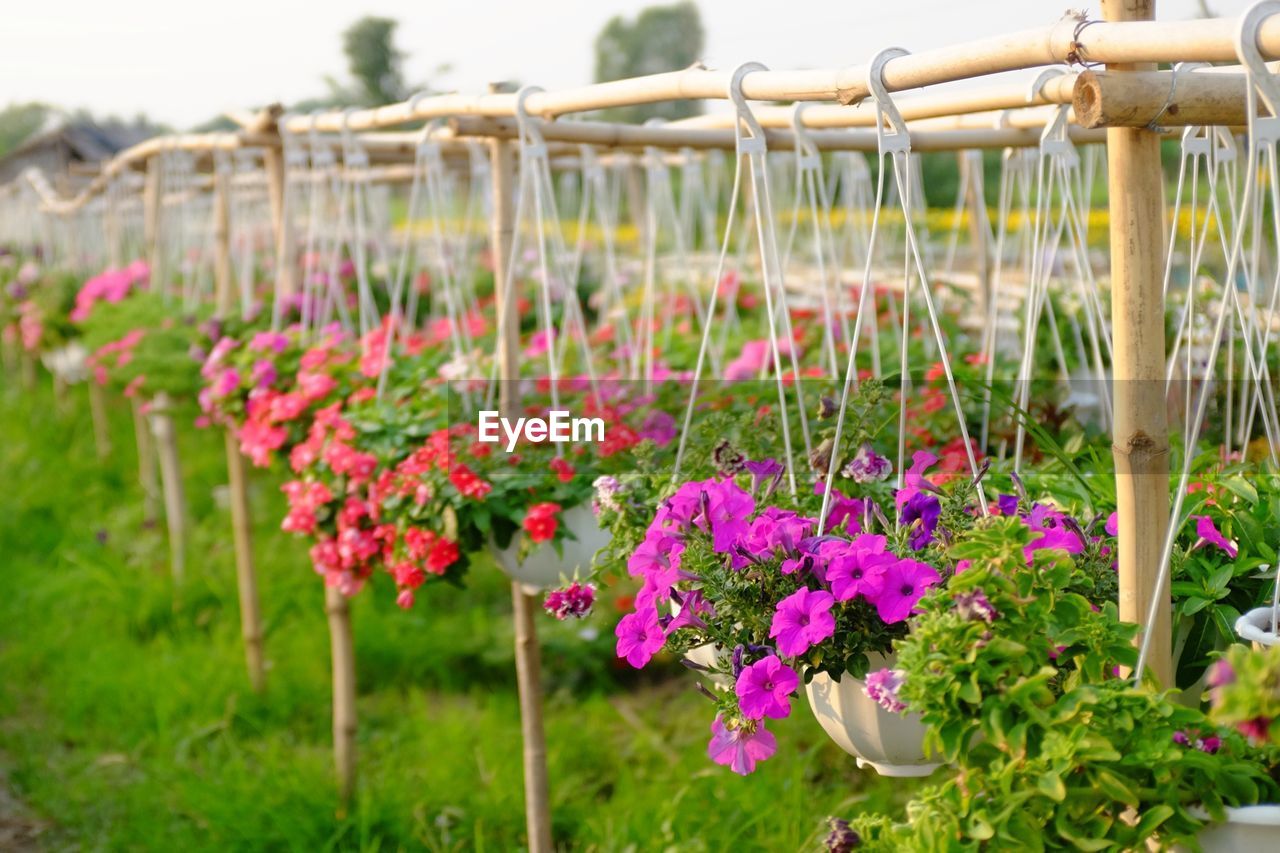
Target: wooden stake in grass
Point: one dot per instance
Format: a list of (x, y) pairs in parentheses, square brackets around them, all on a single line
[(246, 579), (175, 500), (98, 414), (537, 801), (146, 464), (343, 656)]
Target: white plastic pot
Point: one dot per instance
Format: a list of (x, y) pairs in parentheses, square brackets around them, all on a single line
[(1256, 627), (890, 744), (1251, 829), (543, 567)]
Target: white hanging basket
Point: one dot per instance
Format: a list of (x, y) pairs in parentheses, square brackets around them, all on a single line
[(707, 655), (1256, 627), (1251, 829), (890, 744), (543, 567)]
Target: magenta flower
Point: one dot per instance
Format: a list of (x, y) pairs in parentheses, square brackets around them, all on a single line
[(765, 471), (773, 529), (692, 606), (882, 687), (843, 510), (914, 481), (659, 427), (1208, 533), (858, 572), (903, 584), (764, 689), (801, 620), (1113, 524), (740, 746), (728, 509), (639, 637), (574, 600)]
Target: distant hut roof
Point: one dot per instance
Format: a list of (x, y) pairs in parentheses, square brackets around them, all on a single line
[(61, 149)]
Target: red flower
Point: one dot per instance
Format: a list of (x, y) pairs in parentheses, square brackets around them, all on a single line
[(444, 553), (468, 483), (540, 521), (563, 470)]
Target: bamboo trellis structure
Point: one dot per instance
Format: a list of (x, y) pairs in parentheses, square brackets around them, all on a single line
[(1129, 105)]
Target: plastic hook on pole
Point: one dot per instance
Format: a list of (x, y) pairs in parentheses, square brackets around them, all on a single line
[(892, 135)]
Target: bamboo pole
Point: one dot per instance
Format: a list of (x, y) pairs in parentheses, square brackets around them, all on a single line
[(175, 499), (98, 414), (273, 161), (537, 804), (1148, 98), (246, 577), (621, 136), (146, 464), (152, 202), (1141, 436), (343, 657), (222, 280)]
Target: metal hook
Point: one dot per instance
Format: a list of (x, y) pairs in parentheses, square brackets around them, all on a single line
[(754, 140), (896, 138)]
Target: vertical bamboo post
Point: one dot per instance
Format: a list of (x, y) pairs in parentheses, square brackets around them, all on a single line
[(537, 801), (146, 464), (152, 202), (342, 655), (273, 162), (1141, 438), (175, 500), (237, 482), (98, 414)]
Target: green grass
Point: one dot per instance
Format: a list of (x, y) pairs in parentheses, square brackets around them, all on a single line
[(126, 721)]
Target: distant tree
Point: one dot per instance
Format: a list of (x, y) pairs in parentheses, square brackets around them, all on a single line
[(660, 38), (374, 62), (18, 122)]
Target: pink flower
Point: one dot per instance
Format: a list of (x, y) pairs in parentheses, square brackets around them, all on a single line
[(904, 582), (740, 747), (858, 573), (1208, 533), (801, 620), (639, 637), (764, 689), (882, 688)]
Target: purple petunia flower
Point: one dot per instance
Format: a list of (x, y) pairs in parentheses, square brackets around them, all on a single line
[(843, 510), (659, 427), (867, 466), (904, 582), (920, 513), (766, 472), (574, 600), (693, 605), (1113, 524), (1008, 504), (913, 482), (740, 745), (801, 620), (882, 687), (639, 637), (764, 689)]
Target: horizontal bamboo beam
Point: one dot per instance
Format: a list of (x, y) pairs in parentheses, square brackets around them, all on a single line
[(1164, 98), (619, 136), (1067, 41)]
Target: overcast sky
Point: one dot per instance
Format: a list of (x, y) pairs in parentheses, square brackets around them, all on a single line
[(182, 62)]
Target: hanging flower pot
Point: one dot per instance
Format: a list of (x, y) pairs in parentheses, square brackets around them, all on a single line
[(1258, 626), (1250, 829), (542, 567), (891, 744)]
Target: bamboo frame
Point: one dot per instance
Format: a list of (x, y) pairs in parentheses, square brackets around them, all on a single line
[(175, 499), (1147, 98), (98, 416), (1141, 430), (343, 659), (147, 472)]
